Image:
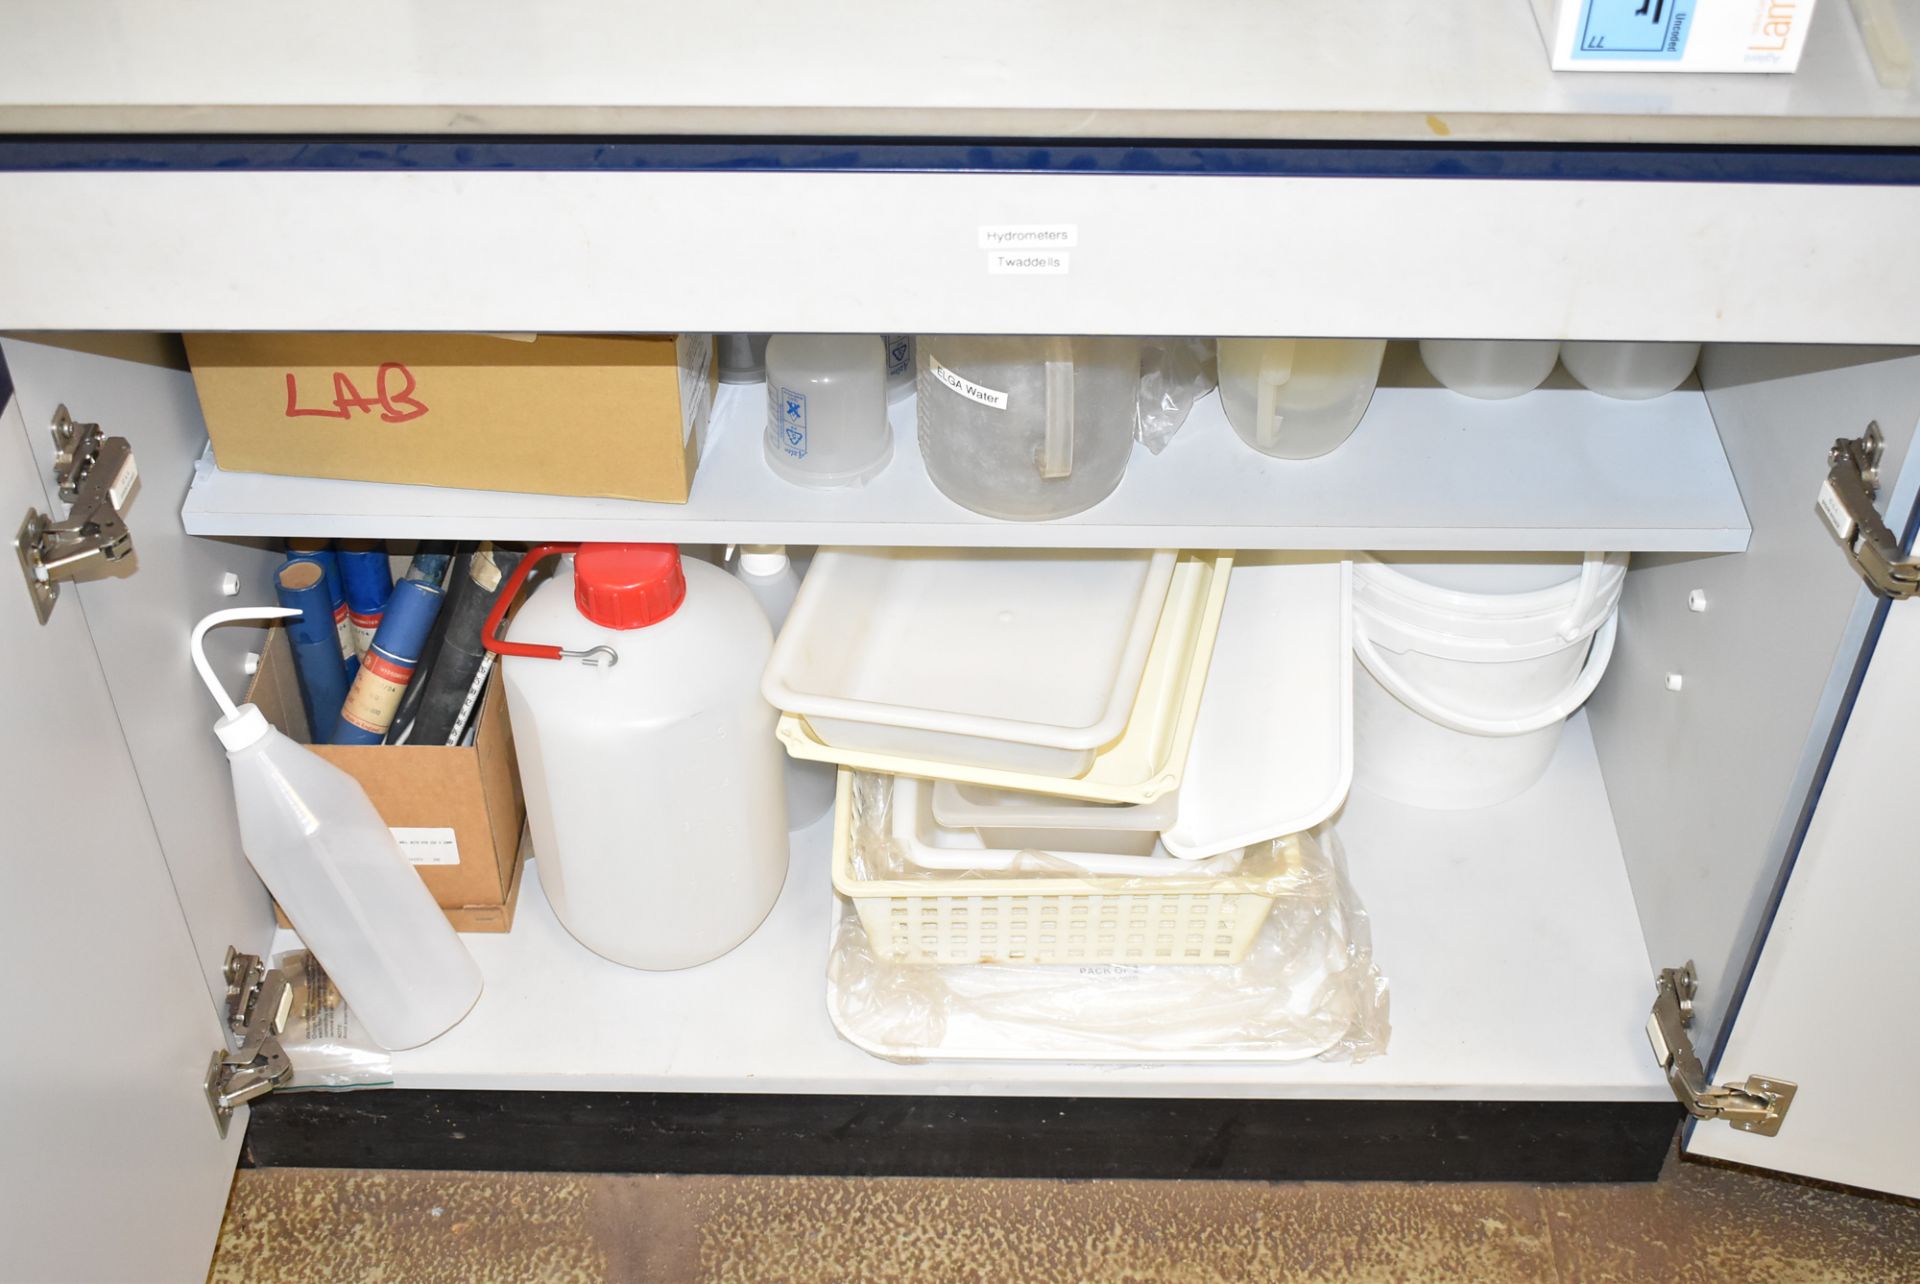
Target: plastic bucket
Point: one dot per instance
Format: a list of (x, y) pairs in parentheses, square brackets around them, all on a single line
[(1470, 666)]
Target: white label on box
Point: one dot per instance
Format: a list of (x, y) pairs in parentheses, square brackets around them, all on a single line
[(426, 846), (1029, 236), (1027, 263), (966, 387), (696, 381)]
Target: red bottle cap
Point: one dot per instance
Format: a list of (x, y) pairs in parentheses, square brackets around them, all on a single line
[(628, 586)]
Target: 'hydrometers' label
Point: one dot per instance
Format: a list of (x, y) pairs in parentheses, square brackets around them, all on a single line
[(966, 387)]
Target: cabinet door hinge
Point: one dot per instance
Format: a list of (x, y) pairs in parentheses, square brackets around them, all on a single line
[(1846, 505), (96, 476), (1759, 1105), (258, 1000)]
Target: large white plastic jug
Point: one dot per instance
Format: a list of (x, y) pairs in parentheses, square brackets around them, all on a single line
[(774, 581), (652, 776), (1297, 398), (1027, 428), (313, 836)]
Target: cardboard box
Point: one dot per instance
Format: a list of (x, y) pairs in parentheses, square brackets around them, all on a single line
[(1674, 35), (618, 416), (459, 809)]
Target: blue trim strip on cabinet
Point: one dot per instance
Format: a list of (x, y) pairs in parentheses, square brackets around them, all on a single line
[(1871, 642), (1844, 166)]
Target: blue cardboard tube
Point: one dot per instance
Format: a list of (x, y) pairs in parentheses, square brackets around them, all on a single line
[(388, 665), (301, 584), (369, 582)]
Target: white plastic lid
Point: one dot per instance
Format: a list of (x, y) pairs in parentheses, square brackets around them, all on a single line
[(247, 726), (763, 559)]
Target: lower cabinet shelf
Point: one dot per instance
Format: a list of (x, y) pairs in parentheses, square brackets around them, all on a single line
[(1508, 936)]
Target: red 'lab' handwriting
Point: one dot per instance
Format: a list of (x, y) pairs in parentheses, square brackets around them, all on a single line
[(396, 405)]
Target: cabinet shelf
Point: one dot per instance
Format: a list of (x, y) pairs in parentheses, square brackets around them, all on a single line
[(1509, 937), (1560, 469)]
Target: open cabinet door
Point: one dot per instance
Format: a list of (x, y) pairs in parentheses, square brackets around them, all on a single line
[(1830, 1004), (111, 1164)]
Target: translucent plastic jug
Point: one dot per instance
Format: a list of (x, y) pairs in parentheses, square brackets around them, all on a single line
[(827, 408), (1297, 398), (312, 835), (1027, 428), (1491, 369), (1630, 371), (652, 776)]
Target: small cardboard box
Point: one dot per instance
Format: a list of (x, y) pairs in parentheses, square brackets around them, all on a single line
[(1674, 35), (617, 416), (458, 812)]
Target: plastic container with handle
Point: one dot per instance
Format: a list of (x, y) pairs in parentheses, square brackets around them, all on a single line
[(1297, 398), (653, 782)]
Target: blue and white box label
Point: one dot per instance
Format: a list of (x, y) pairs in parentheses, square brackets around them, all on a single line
[(1641, 30)]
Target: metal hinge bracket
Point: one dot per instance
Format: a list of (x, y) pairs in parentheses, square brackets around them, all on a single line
[(1759, 1105), (96, 476), (258, 1000), (1846, 505)]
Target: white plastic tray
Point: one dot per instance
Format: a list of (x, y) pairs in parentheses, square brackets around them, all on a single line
[(1146, 762), (1273, 751), (931, 845), (1021, 659), (1003, 818)]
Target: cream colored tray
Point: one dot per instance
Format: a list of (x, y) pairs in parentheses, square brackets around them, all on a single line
[(1147, 761)]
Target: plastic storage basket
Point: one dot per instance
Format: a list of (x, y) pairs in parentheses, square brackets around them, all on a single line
[(942, 917)]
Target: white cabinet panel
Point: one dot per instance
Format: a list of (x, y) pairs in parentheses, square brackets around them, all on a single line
[(900, 253), (110, 1164), (1830, 1006), (1707, 782), (140, 622)]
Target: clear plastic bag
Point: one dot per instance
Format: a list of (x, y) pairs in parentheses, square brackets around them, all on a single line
[(327, 1046), (1306, 988), (1174, 374)]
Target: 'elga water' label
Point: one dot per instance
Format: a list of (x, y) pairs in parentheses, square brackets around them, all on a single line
[(966, 387), (787, 411)]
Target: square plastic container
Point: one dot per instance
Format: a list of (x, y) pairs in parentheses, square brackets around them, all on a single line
[(1006, 819), (1025, 660), (931, 845), (1145, 763), (1196, 919)]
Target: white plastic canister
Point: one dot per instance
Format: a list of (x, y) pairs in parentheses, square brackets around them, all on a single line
[(652, 776), (1470, 665)]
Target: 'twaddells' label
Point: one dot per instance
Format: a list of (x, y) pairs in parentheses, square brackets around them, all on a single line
[(966, 387)]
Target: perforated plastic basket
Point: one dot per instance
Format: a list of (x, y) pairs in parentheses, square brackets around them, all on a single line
[(965, 918)]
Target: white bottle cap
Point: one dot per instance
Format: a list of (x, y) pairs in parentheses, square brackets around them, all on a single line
[(763, 559), (247, 727)]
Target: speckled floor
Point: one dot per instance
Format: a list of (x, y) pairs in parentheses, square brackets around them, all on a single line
[(1698, 1223)]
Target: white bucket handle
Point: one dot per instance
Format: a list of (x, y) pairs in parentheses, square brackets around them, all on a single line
[(1572, 624), (1554, 711)]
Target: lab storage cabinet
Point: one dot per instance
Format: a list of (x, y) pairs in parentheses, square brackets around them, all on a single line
[(1705, 900)]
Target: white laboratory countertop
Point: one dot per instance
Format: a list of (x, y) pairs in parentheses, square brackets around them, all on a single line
[(1085, 69)]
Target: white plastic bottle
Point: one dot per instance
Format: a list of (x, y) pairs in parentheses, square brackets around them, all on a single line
[(652, 776), (827, 408), (772, 578), (1630, 371), (333, 865)]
